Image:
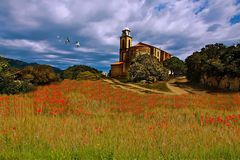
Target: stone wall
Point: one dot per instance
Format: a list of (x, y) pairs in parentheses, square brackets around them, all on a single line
[(227, 83), (116, 70)]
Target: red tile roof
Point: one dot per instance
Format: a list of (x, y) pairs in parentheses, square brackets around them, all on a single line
[(117, 63), (144, 44)]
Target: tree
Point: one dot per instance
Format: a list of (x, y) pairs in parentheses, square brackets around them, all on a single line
[(147, 67), (39, 74), (215, 60), (175, 65)]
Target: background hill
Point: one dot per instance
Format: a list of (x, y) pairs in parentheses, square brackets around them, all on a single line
[(21, 64)]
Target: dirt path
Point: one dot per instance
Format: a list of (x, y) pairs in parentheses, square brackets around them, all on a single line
[(174, 88), (177, 86), (182, 86), (136, 88)]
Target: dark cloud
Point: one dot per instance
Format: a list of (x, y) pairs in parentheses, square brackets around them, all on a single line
[(213, 27)]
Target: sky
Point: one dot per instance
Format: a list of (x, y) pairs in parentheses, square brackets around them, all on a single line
[(34, 30)]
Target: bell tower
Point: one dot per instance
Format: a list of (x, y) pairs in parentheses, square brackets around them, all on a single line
[(125, 44)]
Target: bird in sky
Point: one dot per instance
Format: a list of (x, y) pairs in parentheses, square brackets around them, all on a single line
[(77, 44), (67, 41)]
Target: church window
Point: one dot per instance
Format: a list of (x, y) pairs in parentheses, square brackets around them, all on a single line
[(129, 45), (123, 44), (124, 56)]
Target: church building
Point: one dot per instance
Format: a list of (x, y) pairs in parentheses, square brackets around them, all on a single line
[(128, 52)]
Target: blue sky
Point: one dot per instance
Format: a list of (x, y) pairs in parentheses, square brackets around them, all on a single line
[(29, 28)]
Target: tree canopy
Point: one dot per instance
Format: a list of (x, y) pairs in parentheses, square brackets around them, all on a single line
[(147, 67), (175, 65), (214, 60)]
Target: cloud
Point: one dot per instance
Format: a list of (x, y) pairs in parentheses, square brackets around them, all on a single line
[(51, 56), (178, 26), (35, 46), (83, 49)]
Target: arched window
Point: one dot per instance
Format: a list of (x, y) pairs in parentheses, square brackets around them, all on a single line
[(129, 45), (123, 44)]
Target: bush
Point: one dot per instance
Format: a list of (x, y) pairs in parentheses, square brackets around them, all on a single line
[(80, 72), (10, 86), (39, 74), (147, 67), (87, 76)]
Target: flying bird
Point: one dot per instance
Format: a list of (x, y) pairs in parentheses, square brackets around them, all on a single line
[(77, 44), (67, 40)]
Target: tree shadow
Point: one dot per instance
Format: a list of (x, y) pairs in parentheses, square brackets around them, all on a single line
[(197, 88)]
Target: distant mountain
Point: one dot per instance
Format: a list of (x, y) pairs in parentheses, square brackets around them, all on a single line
[(20, 64)]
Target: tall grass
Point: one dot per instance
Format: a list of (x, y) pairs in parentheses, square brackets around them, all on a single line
[(92, 120)]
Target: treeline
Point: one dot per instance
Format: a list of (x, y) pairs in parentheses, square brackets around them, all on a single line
[(15, 80), (216, 65)]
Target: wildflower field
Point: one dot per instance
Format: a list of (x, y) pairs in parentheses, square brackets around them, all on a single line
[(93, 120)]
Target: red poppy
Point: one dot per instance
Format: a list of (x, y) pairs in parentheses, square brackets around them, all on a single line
[(39, 110), (227, 124), (220, 120)]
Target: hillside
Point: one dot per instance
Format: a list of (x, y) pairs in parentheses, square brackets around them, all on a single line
[(21, 64)]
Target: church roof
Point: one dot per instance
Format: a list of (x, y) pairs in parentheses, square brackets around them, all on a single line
[(145, 44), (148, 45), (117, 63)]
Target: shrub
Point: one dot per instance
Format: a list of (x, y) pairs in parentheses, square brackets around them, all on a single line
[(87, 76), (10, 86), (80, 72), (39, 74)]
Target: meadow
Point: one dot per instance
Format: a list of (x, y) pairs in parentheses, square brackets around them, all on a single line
[(93, 120)]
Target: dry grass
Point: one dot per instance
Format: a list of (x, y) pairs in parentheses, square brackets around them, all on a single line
[(92, 120)]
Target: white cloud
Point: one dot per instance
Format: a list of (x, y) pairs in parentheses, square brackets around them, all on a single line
[(51, 56), (35, 46), (84, 49)]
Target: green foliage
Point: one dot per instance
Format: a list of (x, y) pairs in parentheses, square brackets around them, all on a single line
[(39, 74), (87, 76), (79, 72), (175, 65), (214, 60), (8, 82), (8, 86), (146, 67), (3, 65)]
